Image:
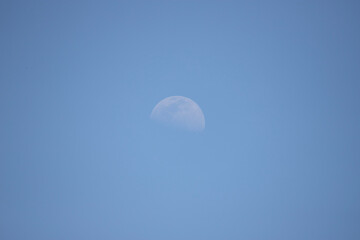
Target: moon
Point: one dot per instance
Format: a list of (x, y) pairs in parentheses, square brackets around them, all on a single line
[(180, 112)]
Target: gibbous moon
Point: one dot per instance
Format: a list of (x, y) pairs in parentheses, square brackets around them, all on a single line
[(181, 112)]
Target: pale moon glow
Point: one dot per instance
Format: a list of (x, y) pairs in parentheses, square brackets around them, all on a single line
[(181, 112)]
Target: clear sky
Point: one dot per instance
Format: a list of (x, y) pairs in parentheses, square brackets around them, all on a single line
[(277, 81)]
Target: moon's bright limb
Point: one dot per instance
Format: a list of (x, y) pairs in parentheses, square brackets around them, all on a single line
[(180, 112)]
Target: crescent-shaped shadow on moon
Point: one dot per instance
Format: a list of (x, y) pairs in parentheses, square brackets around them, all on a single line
[(180, 112)]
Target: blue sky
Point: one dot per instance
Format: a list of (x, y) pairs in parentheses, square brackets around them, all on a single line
[(278, 82)]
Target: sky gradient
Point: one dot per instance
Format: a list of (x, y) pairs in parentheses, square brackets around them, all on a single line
[(277, 81)]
